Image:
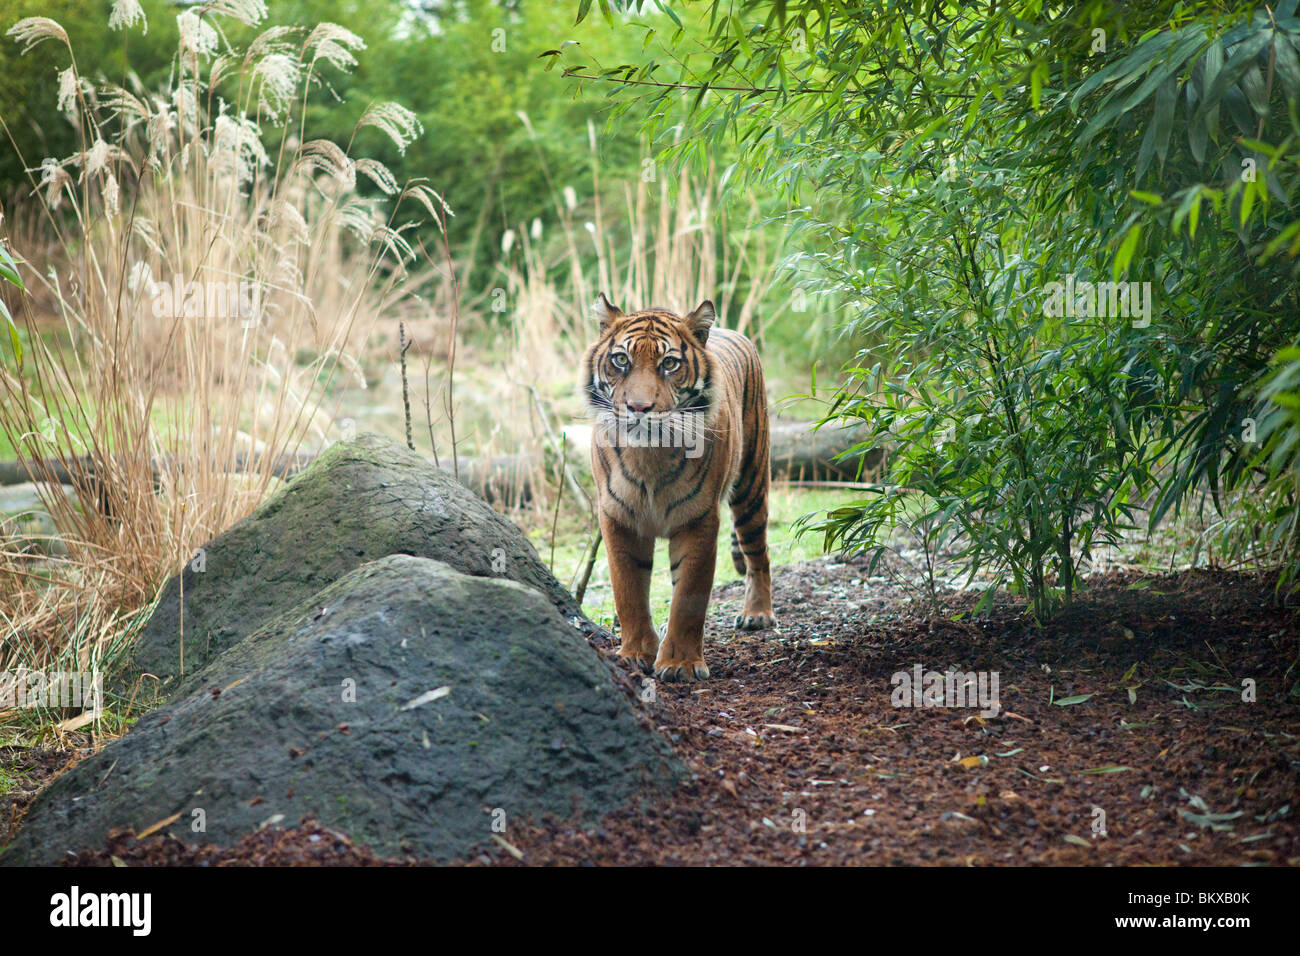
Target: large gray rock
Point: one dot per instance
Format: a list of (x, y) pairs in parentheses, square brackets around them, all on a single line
[(474, 701), (359, 501)]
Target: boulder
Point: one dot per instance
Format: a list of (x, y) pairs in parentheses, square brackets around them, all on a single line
[(358, 501), (419, 709)]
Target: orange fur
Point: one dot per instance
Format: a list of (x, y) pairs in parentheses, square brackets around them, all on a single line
[(682, 424)]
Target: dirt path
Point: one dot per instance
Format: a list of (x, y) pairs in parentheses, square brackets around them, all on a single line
[(800, 757)]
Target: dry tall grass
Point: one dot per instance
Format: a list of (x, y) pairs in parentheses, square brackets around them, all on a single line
[(213, 271), (666, 244)]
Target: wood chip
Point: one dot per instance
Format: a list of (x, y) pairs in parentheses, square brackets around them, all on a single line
[(150, 830)]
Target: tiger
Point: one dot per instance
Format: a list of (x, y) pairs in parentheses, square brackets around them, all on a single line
[(681, 424)]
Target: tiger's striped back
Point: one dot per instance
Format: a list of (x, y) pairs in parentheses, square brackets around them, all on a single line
[(748, 494)]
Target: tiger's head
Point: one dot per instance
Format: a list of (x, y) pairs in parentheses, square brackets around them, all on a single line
[(648, 377)]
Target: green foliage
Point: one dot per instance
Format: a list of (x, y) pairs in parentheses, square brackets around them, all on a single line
[(1008, 417), (501, 136), (1274, 509), (955, 159), (33, 129), (1200, 111), (9, 273)]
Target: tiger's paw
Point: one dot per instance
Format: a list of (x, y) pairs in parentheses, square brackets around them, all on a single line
[(754, 622), (643, 660), (687, 669)]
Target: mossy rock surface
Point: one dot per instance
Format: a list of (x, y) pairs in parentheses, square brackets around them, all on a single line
[(407, 704), (359, 501)]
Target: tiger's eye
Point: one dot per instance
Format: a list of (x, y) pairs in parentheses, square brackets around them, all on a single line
[(670, 364), (619, 359)]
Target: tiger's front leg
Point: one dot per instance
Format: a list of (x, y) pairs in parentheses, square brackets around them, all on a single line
[(694, 552), (631, 559)]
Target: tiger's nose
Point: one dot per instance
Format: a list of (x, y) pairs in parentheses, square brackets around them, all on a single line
[(640, 406)]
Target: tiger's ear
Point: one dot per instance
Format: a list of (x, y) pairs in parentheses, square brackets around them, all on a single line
[(701, 320), (605, 311)]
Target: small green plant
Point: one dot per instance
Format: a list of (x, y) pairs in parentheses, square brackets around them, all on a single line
[(9, 273), (1277, 455), (1009, 417)]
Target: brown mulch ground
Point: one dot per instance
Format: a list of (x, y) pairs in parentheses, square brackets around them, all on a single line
[(308, 844), (25, 771), (798, 727), (799, 757)]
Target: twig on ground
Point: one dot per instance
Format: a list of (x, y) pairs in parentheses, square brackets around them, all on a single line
[(593, 548), (406, 389)]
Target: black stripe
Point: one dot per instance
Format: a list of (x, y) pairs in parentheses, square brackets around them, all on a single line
[(676, 473), (609, 490), (739, 497), (618, 453), (748, 515), (694, 493)]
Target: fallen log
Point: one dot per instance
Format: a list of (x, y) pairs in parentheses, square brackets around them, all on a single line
[(83, 468), (798, 454), (801, 454)]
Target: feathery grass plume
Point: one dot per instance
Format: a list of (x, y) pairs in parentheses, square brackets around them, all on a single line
[(68, 89), (223, 66), (396, 122), (125, 14), (33, 30), (197, 36), (282, 213), (100, 154), (395, 245), (185, 99), (276, 75), (161, 124), (237, 149), (335, 45), (326, 156), (274, 39), (54, 180), (123, 105), (111, 193), (358, 216), (379, 174), (248, 12), (434, 204), (208, 296)]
